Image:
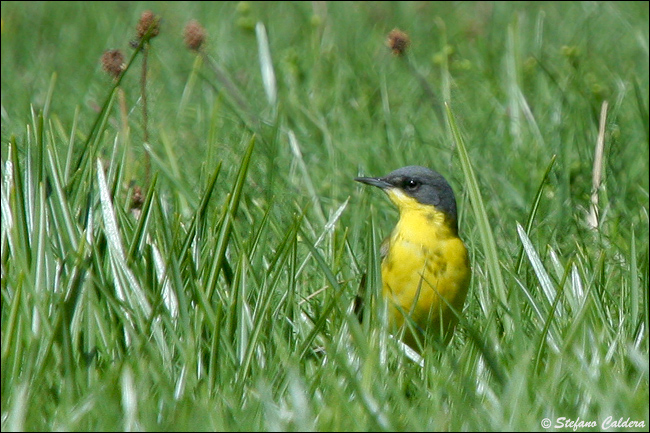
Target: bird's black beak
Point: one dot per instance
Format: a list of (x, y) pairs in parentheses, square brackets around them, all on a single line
[(374, 181)]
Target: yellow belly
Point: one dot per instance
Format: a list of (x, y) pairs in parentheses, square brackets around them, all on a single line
[(425, 271)]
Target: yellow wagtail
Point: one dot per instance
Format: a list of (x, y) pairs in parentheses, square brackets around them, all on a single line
[(425, 267)]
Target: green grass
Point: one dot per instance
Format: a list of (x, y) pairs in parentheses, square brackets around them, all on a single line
[(224, 302)]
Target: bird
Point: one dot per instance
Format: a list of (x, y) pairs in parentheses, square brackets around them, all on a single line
[(425, 267)]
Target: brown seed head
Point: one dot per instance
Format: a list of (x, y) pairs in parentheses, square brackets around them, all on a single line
[(194, 35), (398, 42), (138, 198), (113, 62), (149, 24)]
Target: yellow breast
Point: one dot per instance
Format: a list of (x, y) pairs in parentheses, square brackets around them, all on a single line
[(425, 270)]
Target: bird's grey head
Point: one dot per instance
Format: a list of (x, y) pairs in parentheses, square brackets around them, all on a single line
[(426, 186)]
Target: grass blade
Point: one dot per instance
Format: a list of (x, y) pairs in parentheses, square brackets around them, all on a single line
[(480, 214), (315, 198), (17, 196), (533, 211), (266, 63), (116, 248), (226, 226)]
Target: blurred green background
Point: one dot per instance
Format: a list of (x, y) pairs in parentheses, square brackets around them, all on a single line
[(525, 81)]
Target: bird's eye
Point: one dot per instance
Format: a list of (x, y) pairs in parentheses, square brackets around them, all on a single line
[(412, 185)]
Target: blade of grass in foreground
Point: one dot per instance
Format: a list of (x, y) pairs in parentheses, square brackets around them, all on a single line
[(114, 240), (297, 153), (550, 292), (17, 201), (191, 235), (262, 314), (334, 301), (480, 214), (231, 211), (127, 285), (533, 210)]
